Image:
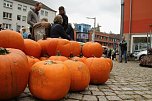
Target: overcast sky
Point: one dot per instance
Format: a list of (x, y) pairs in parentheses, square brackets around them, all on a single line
[(107, 12)]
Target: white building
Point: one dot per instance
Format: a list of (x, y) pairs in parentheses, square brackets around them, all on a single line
[(13, 13)]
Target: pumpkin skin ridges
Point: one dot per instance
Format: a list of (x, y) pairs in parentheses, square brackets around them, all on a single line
[(80, 76), (14, 73), (11, 39), (99, 70), (58, 58), (49, 81), (110, 62), (75, 48), (92, 49)]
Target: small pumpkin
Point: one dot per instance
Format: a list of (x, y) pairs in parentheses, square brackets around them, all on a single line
[(92, 49), (58, 58), (80, 76), (99, 70), (49, 80), (32, 60), (14, 73)]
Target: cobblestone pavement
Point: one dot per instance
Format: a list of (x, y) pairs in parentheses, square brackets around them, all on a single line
[(128, 82)]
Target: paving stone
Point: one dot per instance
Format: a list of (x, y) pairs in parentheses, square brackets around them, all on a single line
[(90, 98), (125, 88), (148, 96), (24, 95), (86, 92), (75, 96), (102, 98), (28, 99), (70, 100), (26, 90), (140, 92), (126, 97), (109, 93), (138, 97), (97, 93), (93, 87), (112, 98)]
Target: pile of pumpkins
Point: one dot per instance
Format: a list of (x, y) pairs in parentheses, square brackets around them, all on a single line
[(49, 77)]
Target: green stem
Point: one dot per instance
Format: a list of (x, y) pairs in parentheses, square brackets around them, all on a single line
[(3, 51)]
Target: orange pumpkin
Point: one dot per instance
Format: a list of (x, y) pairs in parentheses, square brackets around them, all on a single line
[(58, 58), (49, 80), (99, 70), (11, 39), (80, 76), (43, 58), (110, 62), (14, 73), (75, 48), (81, 59), (32, 48), (92, 49), (32, 60)]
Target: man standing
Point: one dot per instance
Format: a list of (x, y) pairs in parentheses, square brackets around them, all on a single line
[(33, 16), (64, 16), (123, 49)]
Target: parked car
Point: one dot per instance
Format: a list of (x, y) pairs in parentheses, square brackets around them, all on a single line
[(139, 55)]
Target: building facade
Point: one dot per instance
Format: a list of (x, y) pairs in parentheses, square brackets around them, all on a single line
[(13, 13), (138, 24), (82, 31)]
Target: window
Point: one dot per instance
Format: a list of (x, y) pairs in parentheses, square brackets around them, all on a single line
[(6, 26), (7, 15), (19, 7), (42, 12), (46, 13), (23, 18), (8, 4), (24, 8), (18, 17)]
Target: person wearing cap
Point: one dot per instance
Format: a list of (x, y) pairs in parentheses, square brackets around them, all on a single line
[(64, 16)]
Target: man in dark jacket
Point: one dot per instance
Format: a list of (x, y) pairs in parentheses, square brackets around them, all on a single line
[(64, 16), (70, 31), (57, 29), (33, 16), (123, 49)]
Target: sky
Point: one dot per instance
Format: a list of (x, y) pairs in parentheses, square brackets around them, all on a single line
[(107, 12)]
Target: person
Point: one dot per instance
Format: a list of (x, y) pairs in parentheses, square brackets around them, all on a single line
[(123, 49), (70, 31), (33, 16), (113, 54), (24, 33), (64, 16), (57, 29)]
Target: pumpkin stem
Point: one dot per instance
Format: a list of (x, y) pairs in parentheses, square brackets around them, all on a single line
[(71, 55), (49, 62), (44, 37), (58, 53), (3, 51)]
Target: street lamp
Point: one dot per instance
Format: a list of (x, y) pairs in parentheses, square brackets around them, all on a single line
[(93, 34)]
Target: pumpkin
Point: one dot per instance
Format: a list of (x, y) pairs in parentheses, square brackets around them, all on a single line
[(92, 49), (14, 73), (49, 80), (43, 58), (32, 60), (81, 59), (58, 58), (32, 48), (99, 70), (11, 39), (80, 76), (44, 44), (75, 48), (110, 62)]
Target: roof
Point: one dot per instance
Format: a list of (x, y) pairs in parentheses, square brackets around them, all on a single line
[(32, 2)]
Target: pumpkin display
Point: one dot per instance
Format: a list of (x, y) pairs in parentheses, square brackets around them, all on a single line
[(80, 76), (110, 62), (75, 48), (92, 49), (49, 80), (14, 73), (32, 60), (32, 48), (58, 58), (81, 59), (43, 58), (11, 39), (99, 70)]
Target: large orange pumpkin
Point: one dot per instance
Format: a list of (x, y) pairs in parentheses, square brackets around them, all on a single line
[(81, 59), (32, 48), (14, 72), (99, 70), (110, 62), (75, 48), (11, 39), (80, 76), (92, 49), (49, 80)]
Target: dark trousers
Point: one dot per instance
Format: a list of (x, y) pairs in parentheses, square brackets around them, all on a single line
[(123, 53)]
